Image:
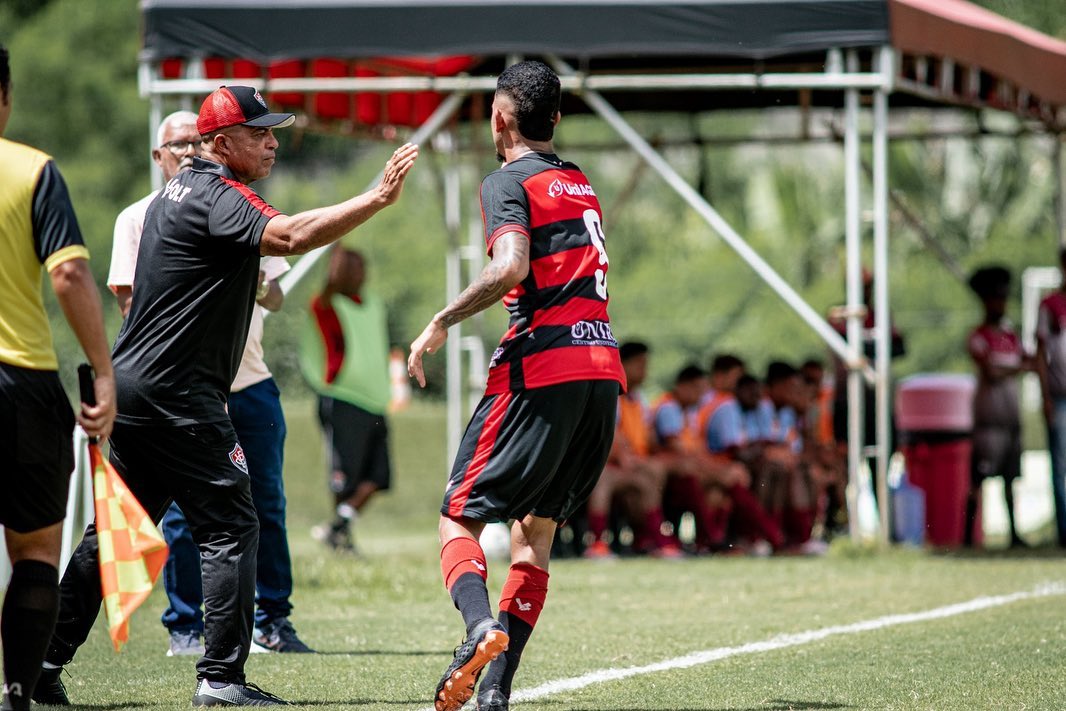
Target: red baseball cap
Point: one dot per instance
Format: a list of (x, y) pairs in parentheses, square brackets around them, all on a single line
[(238, 105)]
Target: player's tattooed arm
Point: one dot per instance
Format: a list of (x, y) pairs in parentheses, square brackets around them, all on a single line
[(509, 266)]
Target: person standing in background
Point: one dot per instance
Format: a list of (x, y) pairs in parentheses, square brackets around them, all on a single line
[(1051, 367), (344, 355), (997, 352)]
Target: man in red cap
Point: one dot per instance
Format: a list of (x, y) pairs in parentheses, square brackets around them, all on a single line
[(175, 358)]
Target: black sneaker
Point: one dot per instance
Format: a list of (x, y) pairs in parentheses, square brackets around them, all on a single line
[(220, 693), (486, 642), (280, 636), (492, 700), (50, 689)]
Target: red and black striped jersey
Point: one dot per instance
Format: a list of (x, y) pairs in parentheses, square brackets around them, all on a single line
[(559, 330)]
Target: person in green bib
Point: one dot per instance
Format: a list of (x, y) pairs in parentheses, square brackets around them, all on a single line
[(344, 355)]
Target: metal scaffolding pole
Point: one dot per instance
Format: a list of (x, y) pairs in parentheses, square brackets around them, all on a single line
[(1060, 187), (882, 315), (444, 142), (855, 310)]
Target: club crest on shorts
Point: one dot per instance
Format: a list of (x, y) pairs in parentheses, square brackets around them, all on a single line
[(237, 457)]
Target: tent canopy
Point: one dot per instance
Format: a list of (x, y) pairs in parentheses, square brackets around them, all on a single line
[(946, 51)]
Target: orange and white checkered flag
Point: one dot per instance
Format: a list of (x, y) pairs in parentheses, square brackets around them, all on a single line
[(132, 551)]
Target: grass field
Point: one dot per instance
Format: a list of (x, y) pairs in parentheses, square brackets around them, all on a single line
[(385, 627)]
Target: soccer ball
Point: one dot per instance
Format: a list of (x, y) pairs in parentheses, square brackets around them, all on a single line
[(496, 541)]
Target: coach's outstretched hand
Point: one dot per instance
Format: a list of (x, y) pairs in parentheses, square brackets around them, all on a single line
[(396, 169)]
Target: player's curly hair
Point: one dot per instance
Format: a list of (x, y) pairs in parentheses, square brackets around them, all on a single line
[(536, 92), (5, 73)]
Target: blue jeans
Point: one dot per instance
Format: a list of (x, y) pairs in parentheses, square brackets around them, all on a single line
[(1056, 438), (260, 425)]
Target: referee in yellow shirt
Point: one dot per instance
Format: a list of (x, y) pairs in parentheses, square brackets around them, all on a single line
[(38, 230)]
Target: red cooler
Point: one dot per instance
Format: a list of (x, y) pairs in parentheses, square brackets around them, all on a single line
[(934, 415)]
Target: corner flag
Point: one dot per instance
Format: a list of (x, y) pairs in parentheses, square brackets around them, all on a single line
[(132, 551)]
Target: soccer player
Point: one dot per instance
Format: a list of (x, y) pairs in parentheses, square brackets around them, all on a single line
[(633, 468), (175, 358), (540, 436), (38, 230)]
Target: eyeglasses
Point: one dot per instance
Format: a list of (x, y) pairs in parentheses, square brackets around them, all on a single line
[(180, 147)]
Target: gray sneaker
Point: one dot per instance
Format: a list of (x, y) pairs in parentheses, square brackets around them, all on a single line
[(220, 693), (186, 644), (280, 636)]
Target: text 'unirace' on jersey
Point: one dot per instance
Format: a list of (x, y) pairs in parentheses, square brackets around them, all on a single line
[(557, 188)]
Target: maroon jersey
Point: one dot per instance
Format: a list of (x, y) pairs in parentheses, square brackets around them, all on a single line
[(559, 329)]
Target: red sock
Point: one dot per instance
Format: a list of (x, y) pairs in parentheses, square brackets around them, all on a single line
[(462, 555), (749, 509), (597, 525), (798, 525), (692, 498), (653, 529), (524, 592)]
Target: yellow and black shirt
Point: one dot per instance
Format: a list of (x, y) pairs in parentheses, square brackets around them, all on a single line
[(37, 228)]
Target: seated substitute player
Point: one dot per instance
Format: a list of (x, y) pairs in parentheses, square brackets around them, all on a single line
[(782, 479), (539, 438), (634, 476), (38, 233), (728, 426), (719, 480)]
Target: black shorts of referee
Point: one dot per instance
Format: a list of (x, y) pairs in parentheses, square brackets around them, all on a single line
[(538, 451), (36, 430), (358, 443)]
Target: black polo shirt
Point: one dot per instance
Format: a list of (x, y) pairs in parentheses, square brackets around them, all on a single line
[(197, 272)]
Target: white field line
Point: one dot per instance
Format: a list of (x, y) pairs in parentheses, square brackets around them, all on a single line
[(784, 641)]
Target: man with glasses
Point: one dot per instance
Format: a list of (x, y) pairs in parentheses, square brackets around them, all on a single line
[(255, 409), (178, 142)]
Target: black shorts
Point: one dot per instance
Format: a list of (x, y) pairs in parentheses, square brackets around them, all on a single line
[(358, 443), (36, 431), (997, 451), (536, 451)]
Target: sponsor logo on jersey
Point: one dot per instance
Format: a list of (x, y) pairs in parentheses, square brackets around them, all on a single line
[(558, 188), (593, 333), (237, 457)]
